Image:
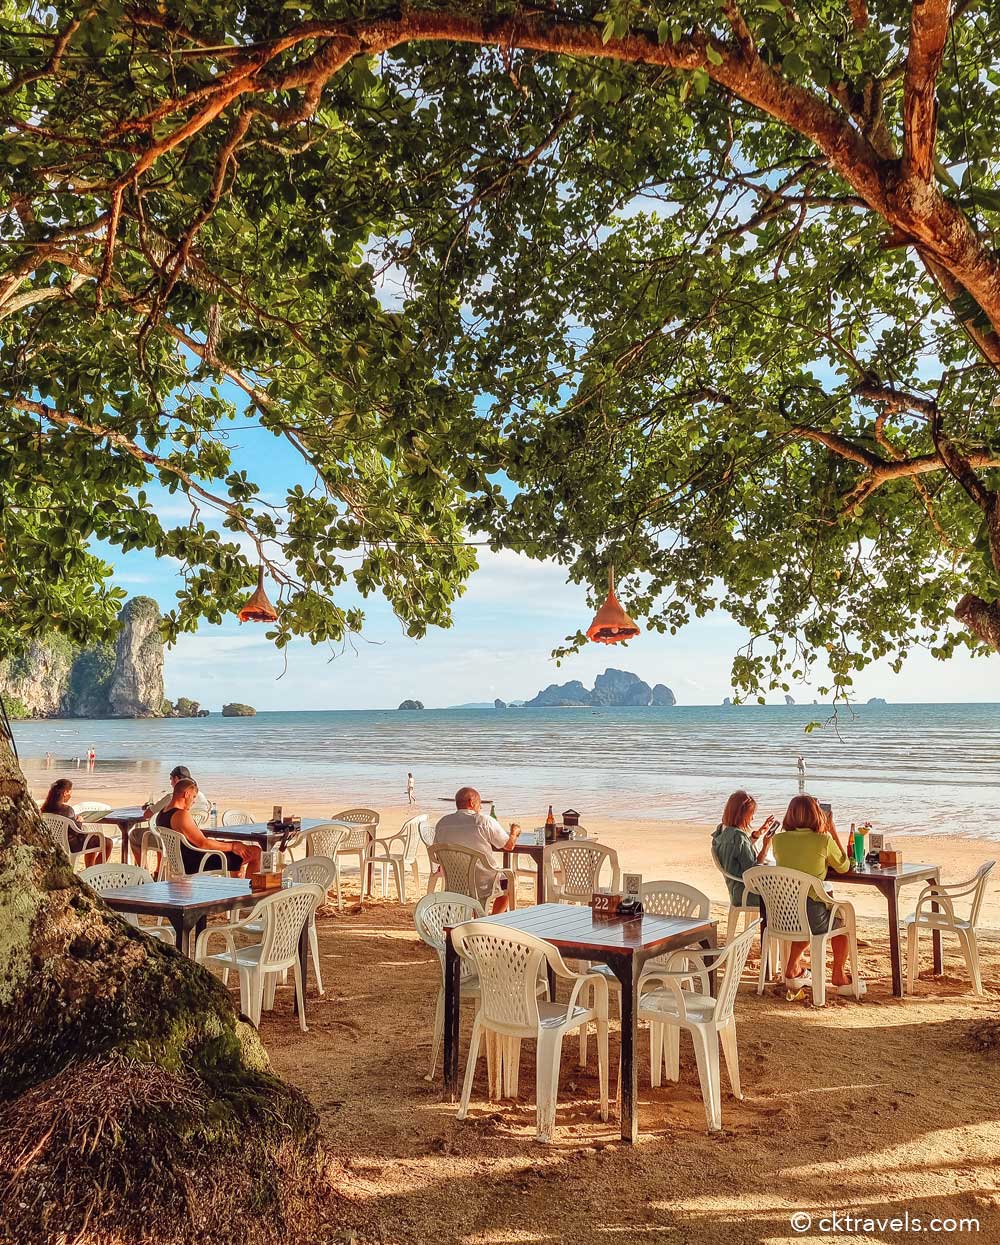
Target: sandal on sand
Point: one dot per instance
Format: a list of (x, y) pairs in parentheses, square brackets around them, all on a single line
[(796, 983), (847, 990)]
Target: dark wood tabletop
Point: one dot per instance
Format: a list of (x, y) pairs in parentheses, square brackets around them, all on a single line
[(258, 830), (204, 894), (122, 816), (875, 875), (575, 928)]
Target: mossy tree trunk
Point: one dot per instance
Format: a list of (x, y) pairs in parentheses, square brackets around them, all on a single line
[(135, 1104)]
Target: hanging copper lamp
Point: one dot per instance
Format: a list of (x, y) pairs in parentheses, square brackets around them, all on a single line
[(258, 608), (611, 624)]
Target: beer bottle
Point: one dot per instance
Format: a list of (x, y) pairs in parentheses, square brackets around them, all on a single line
[(550, 826), (850, 846)]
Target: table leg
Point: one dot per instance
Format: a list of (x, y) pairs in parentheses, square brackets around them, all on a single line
[(125, 831), (892, 899), (303, 964), (187, 930), (628, 1079), (711, 942), (452, 1014), (539, 882), (936, 936)]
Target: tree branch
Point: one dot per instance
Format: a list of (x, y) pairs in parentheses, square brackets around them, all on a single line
[(929, 24)]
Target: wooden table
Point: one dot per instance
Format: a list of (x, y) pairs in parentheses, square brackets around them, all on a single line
[(124, 819), (258, 831), (187, 903), (888, 880), (624, 945), (528, 845)]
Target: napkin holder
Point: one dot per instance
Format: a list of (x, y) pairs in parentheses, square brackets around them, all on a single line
[(605, 905), (264, 881)]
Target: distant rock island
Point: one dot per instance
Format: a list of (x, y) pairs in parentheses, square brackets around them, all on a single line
[(877, 700), (411, 704), (236, 710), (617, 689), (183, 707), (58, 679), (789, 700)]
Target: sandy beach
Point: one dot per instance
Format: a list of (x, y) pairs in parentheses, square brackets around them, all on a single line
[(879, 1109)]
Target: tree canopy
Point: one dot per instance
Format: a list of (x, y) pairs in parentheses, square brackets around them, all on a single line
[(705, 290)]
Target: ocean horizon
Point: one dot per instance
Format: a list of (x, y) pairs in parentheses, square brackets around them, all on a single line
[(909, 768)]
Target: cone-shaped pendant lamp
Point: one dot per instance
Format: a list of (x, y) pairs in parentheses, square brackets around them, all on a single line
[(258, 608), (611, 624)]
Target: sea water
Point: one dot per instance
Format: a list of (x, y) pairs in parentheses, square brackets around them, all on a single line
[(907, 768)]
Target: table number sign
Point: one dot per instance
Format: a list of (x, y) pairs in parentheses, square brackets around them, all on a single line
[(604, 903)]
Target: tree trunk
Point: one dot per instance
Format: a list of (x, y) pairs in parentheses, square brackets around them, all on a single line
[(981, 617), (135, 1104)]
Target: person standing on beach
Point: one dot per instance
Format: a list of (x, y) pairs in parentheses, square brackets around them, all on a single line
[(801, 766), (410, 795), (470, 827)]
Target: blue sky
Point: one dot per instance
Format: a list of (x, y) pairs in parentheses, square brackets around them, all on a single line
[(512, 615)]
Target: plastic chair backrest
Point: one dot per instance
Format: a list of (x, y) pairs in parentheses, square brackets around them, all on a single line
[(507, 962), (325, 840), (59, 827), (581, 865), (427, 832), (89, 810), (733, 961), (675, 899), (115, 877), (366, 819), (237, 817), (435, 912), (284, 916), (313, 871), (466, 871), (784, 892), (414, 837), (169, 842), (982, 873)]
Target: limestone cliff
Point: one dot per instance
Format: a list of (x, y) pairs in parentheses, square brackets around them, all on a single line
[(55, 679), (136, 689)]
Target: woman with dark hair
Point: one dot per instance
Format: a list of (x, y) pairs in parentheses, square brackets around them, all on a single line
[(57, 801), (177, 816), (808, 842), (735, 846)]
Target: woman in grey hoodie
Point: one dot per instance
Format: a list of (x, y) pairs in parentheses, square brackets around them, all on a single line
[(736, 848)]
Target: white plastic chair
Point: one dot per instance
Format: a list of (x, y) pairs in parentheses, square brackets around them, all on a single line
[(168, 844), (237, 817), (670, 1008), (116, 877), (432, 915), (261, 963), (508, 963), (356, 842), (326, 841), (427, 838), (310, 871), (673, 899), (785, 892), (749, 912), (468, 872), (397, 854), (947, 921), (91, 810), (59, 828), (573, 870)]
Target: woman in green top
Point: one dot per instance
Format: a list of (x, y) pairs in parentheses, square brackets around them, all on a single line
[(808, 842)]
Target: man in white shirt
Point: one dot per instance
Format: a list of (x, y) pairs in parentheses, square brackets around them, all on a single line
[(411, 797), (470, 827), (156, 803)]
